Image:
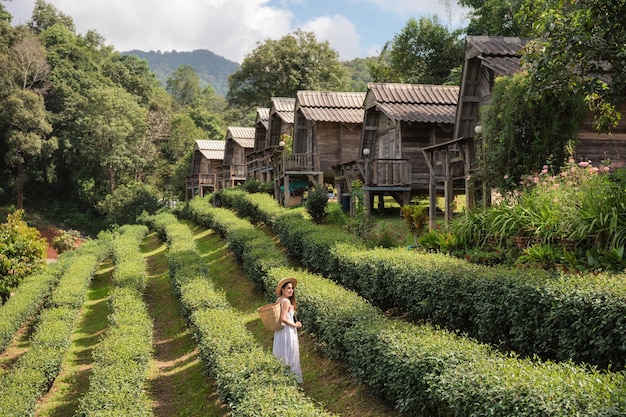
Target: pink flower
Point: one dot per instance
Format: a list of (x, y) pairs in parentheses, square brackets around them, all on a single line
[(506, 177)]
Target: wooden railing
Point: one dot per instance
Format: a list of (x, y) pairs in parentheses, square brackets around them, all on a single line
[(298, 162), (200, 180), (227, 172), (259, 161), (387, 172)]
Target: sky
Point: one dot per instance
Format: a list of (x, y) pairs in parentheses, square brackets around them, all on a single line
[(233, 28)]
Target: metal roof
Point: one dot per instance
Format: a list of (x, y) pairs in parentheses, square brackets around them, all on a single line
[(413, 93), (244, 143), (331, 106), (263, 116), (415, 102), (425, 113), (494, 46), (330, 99), (211, 149), (284, 106), (333, 115), (283, 103), (502, 65), (240, 132)]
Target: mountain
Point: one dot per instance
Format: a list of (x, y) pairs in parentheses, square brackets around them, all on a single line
[(212, 69)]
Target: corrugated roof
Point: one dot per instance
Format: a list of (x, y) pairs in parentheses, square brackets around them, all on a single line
[(335, 115), (424, 113), (240, 132), (213, 155), (211, 149), (245, 143), (494, 46), (414, 93), (283, 103), (212, 145), (507, 65), (284, 106), (331, 106), (330, 99), (263, 116)]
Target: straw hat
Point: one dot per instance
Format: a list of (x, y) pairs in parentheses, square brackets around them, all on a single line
[(284, 281)]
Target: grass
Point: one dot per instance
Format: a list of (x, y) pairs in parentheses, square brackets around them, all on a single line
[(179, 385)]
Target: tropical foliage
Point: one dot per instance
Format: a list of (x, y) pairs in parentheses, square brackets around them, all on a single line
[(520, 130), (580, 45)]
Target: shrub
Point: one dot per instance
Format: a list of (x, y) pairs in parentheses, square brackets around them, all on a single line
[(316, 204), (22, 252), (65, 240), (416, 216), (127, 202)]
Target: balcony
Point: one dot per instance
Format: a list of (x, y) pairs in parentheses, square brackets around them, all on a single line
[(200, 180), (387, 173), (297, 162)]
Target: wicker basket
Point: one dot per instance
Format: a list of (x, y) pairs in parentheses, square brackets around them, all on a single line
[(270, 316)]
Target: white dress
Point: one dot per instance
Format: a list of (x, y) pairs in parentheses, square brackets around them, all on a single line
[(286, 346)]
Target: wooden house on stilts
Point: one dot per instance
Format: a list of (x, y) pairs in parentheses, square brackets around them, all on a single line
[(239, 143), (208, 155), (399, 121), (327, 131)]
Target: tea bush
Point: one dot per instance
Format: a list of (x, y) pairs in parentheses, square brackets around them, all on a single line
[(408, 364)]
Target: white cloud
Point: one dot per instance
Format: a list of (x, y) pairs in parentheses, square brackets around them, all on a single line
[(230, 28), (340, 33)]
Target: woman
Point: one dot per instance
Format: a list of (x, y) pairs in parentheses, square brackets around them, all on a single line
[(286, 346)]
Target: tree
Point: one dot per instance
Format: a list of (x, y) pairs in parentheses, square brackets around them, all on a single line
[(30, 56), (580, 46), (25, 116), (359, 72), (525, 133), (184, 85), (113, 150), (45, 15), (495, 17), (424, 52), (279, 68)]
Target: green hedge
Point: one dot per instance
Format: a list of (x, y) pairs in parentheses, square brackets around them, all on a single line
[(532, 312), (34, 372), (423, 370), (249, 378), (28, 298), (121, 359)]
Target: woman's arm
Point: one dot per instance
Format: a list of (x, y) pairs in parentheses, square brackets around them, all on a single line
[(285, 305)]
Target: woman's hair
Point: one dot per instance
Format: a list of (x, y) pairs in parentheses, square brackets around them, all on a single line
[(292, 299)]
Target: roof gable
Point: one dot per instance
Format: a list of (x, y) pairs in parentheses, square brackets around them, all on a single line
[(263, 116), (331, 106), (413, 93), (211, 149), (283, 107), (330, 99), (414, 102)]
